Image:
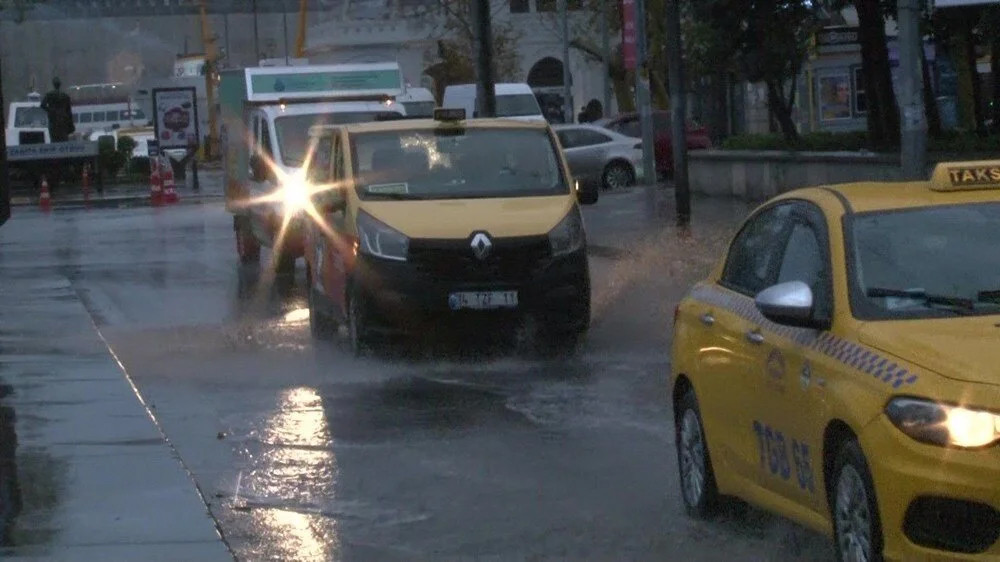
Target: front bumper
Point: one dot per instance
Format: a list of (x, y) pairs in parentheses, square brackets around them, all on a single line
[(936, 503), (414, 295)]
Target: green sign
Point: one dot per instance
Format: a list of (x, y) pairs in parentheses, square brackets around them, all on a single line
[(320, 82)]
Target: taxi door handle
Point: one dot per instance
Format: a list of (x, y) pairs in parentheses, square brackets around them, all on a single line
[(707, 319), (755, 337)]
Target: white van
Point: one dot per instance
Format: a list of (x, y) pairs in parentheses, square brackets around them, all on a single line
[(419, 102), (514, 101)]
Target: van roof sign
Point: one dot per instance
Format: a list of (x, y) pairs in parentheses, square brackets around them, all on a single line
[(327, 81)]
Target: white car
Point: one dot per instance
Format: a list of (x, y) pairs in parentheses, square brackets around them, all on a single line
[(599, 156)]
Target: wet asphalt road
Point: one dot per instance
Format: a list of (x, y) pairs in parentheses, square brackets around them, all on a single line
[(439, 451)]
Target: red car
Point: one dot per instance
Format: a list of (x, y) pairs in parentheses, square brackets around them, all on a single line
[(628, 124)]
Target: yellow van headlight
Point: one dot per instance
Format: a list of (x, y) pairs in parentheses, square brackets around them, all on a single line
[(942, 424), (378, 239), (296, 193), (568, 236)]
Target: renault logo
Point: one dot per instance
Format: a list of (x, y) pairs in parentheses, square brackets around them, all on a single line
[(481, 245)]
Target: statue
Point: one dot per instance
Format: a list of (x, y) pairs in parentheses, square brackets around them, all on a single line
[(59, 108)]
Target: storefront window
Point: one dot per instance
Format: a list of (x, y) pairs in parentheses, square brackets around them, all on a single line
[(835, 97), (860, 94)]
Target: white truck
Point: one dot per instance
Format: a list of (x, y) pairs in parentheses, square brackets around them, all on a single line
[(266, 115)]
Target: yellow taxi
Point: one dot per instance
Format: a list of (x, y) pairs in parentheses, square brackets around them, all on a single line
[(841, 367), (446, 221)]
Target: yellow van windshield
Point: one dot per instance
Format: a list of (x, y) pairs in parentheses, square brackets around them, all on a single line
[(456, 164)]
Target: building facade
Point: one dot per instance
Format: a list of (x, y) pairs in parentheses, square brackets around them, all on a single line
[(132, 41)]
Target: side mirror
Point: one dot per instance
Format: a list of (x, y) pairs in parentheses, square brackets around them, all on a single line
[(259, 170), (331, 200), (587, 193), (789, 304)]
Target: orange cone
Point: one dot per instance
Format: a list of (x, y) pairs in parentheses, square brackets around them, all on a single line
[(169, 187), (155, 187), (45, 198)]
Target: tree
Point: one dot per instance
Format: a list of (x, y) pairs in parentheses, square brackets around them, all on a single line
[(991, 28), (763, 40), (456, 50)]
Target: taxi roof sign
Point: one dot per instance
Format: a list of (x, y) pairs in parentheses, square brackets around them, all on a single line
[(966, 176), (274, 84)]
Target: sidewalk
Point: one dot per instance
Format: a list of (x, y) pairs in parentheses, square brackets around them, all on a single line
[(130, 195), (97, 480)]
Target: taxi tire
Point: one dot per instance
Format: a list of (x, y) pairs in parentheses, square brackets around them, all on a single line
[(321, 325), (247, 246), (708, 501), (358, 336), (851, 457)]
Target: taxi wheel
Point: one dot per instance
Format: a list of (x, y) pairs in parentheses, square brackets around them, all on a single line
[(358, 336), (321, 325), (618, 175), (856, 527), (247, 247), (698, 488)]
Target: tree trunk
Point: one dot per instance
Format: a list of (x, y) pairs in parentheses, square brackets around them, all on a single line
[(977, 90), (966, 70), (930, 102), (995, 71), (883, 111), (781, 111), (4, 179)]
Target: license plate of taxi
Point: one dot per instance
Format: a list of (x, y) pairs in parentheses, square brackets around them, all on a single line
[(483, 300)]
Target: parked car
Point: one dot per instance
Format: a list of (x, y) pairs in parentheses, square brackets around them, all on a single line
[(598, 156), (628, 125)]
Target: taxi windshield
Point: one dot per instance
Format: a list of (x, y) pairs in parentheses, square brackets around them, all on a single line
[(293, 130), (456, 164), (927, 262)]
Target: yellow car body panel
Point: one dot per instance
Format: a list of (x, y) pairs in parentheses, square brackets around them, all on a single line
[(803, 384)]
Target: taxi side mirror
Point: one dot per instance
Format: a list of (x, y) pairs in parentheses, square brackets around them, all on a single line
[(789, 304), (331, 200), (587, 193)]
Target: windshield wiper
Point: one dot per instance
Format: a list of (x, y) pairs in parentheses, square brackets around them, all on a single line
[(958, 305)]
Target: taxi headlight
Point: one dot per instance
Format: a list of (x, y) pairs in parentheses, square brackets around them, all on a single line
[(568, 236), (378, 239), (944, 425)]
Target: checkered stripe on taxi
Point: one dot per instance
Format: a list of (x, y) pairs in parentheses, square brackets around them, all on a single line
[(846, 352)]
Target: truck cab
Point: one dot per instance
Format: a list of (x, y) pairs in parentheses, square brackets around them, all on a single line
[(267, 113), (27, 122)]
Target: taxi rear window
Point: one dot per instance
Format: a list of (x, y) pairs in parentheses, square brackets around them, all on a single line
[(926, 262)]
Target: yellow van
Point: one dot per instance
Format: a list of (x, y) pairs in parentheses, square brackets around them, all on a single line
[(419, 221)]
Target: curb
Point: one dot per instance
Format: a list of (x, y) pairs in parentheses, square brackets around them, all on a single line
[(126, 202)]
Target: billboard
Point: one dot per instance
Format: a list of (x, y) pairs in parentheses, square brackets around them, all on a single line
[(175, 112), (628, 33)]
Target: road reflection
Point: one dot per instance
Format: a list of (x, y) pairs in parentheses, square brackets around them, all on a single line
[(290, 484), (10, 491)]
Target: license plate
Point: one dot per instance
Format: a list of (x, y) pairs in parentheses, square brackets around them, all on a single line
[(483, 300)]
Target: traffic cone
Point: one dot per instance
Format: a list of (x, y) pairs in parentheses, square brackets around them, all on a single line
[(45, 198), (155, 187), (86, 185), (169, 187)]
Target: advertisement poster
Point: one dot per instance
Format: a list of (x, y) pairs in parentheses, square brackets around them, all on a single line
[(176, 122), (835, 97)]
